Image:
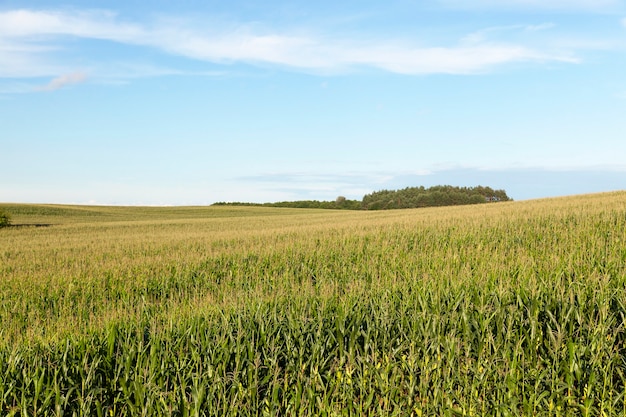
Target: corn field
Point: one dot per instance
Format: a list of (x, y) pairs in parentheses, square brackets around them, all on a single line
[(507, 309)]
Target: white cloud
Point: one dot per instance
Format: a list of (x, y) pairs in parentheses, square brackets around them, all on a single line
[(483, 35), (540, 27), (25, 59), (64, 80), (28, 40), (624, 22), (87, 24), (576, 5), (452, 60)]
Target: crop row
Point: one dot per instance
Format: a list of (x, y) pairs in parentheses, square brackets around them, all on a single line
[(404, 351)]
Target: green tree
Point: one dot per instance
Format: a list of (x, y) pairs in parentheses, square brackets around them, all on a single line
[(438, 195), (5, 219)]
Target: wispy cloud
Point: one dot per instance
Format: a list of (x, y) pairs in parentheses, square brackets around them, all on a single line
[(575, 5), (540, 27), (29, 39), (63, 81), (87, 24), (485, 34), (22, 59)]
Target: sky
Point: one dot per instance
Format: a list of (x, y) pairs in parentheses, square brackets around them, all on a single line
[(189, 102)]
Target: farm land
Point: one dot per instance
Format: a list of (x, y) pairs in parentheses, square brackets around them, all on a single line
[(512, 308)]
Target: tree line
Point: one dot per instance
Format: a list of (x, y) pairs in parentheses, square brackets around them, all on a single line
[(439, 195), (410, 197)]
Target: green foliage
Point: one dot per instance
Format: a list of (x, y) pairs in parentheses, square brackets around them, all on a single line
[(5, 218), (339, 204), (441, 195), (405, 351), (410, 197)]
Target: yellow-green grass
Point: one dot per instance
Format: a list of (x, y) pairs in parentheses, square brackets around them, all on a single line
[(496, 309)]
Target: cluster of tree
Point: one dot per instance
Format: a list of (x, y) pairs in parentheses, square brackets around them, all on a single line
[(5, 219), (341, 203), (440, 195), (410, 197)]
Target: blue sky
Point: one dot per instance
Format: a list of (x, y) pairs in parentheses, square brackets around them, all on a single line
[(192, 102)]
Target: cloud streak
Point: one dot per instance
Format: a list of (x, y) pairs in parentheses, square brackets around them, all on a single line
[(29, 39), (566, 5), (63, 81), (484, 34), (86, 24)]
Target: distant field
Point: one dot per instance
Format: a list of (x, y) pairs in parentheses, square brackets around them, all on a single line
[(514, 308)]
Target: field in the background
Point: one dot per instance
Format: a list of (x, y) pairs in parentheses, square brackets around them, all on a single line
[(494, 309)]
